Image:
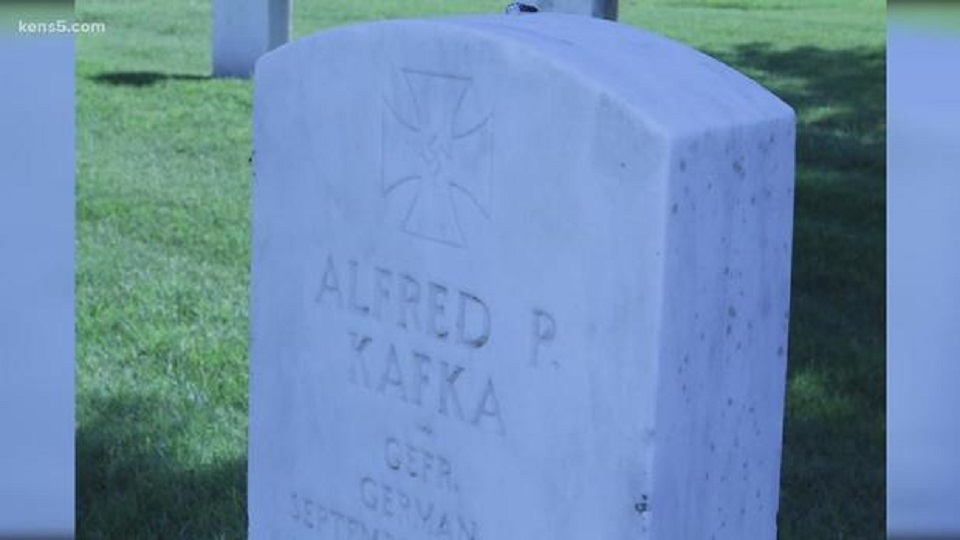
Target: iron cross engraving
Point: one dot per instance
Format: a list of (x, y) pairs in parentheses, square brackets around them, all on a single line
[(437, 141)]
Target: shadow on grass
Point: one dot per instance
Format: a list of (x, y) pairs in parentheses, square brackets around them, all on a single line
[(131, 482), (834, 446), (143, 78)]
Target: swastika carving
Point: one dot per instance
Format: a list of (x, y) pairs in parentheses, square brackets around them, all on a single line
[(438, 136)]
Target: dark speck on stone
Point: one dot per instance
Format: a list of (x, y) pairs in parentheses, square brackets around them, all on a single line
[(738, 167)]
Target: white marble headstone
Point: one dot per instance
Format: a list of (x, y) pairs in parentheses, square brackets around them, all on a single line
[(923, 284), (516, 278), (245, 30), (606, 9), (36, 287)]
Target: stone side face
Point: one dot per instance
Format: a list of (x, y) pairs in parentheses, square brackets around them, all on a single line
[(725, 328)]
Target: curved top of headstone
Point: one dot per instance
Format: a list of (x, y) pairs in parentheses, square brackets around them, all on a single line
[(679, 89)]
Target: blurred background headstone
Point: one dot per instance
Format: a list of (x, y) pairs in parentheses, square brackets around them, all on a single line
[(923, 273), (245, 30), (36, 286), (605, 9)]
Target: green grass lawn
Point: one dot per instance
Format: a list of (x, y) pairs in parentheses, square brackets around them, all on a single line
[(163, 193)]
